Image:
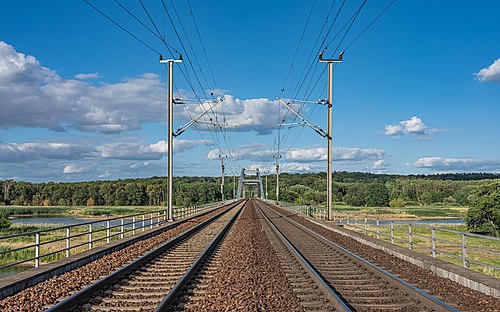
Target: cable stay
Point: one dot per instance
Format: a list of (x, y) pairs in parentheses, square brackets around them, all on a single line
[(305, 121), (319, 101), (211, 123), (183, 128)]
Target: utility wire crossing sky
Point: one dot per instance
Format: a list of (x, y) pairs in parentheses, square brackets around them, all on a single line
[(83, 94)]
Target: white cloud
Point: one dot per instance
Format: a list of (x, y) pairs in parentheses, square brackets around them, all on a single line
[(490, 73), (289, 167), (70, 169), (144, 151), (458, 164), (21, 152), (259, 115), (259, 152), (35, 96), (87, 76), (379, 164), (414, 125)]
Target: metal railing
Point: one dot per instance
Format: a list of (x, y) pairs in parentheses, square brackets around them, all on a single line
[(463, 248), (59, 242)]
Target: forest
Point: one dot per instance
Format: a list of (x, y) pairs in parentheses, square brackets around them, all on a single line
[(480, 191)]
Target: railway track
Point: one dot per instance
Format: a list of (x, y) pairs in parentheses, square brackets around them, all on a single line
[(152, 282), (357, 284), (198, 295)]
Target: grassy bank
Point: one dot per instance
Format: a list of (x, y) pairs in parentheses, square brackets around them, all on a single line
[(74, 210), (409, 212)]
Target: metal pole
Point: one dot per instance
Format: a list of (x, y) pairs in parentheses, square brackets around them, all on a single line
[(37, 250), (410, 239), (170, 150), (330, 132), (464, 252), (90, 236), (222, 179), (266, 184), (170, 139), (329, 157), (68, 242), (108, 232), (434, 242), (277, 181), (392, 232), (234, 186), (121, 229)]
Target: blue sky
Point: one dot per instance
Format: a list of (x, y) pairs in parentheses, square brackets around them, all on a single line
[(418, 92)]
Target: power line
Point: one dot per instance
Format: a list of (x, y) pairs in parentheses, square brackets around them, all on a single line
[(369, 25), (122, 28)]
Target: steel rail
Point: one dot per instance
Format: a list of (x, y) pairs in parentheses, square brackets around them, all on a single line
[(178, 288), (414, 292), (80, 297), (333, 297)]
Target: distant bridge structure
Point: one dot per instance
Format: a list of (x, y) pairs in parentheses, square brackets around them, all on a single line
[(250, 179)]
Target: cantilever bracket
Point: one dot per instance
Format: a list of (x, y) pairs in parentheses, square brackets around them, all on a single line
[(305, 121), (183, 128)]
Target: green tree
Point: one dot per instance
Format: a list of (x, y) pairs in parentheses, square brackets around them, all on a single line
[(484, 213)]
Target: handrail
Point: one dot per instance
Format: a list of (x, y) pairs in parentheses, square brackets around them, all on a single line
[(362, 223), (128, 224)]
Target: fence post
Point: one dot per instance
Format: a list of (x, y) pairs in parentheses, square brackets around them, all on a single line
[(143, 222), (68, 242), (378, 228), (151, 220), (392, 232), (158, 216), (410, 240), (108, 231), (366, 226), (37, 250), (165, 215), (133, 225), (434, 242), (334, 216), (464, 252), (90, 235), (121, 228), (347, 219)]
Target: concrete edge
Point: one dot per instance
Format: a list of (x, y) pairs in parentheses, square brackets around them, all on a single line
[(20, 281), (474, 280)]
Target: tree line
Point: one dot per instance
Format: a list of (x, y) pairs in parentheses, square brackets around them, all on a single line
[(480, 191)]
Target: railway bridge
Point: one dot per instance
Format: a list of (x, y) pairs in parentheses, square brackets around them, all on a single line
[(243, 254)]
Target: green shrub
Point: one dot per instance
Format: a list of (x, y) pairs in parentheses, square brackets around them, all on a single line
[(4, 222)]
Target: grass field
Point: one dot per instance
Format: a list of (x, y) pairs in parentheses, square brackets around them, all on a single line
[(409, 212)]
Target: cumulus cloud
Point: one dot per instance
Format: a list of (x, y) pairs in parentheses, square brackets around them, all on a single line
[(259, 152), (379, 164), (70, 169), (458, 164), (259, 115), (29, 151), (490, 73), (35, 96), (87, 76), (414, 125), (144, 151)]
